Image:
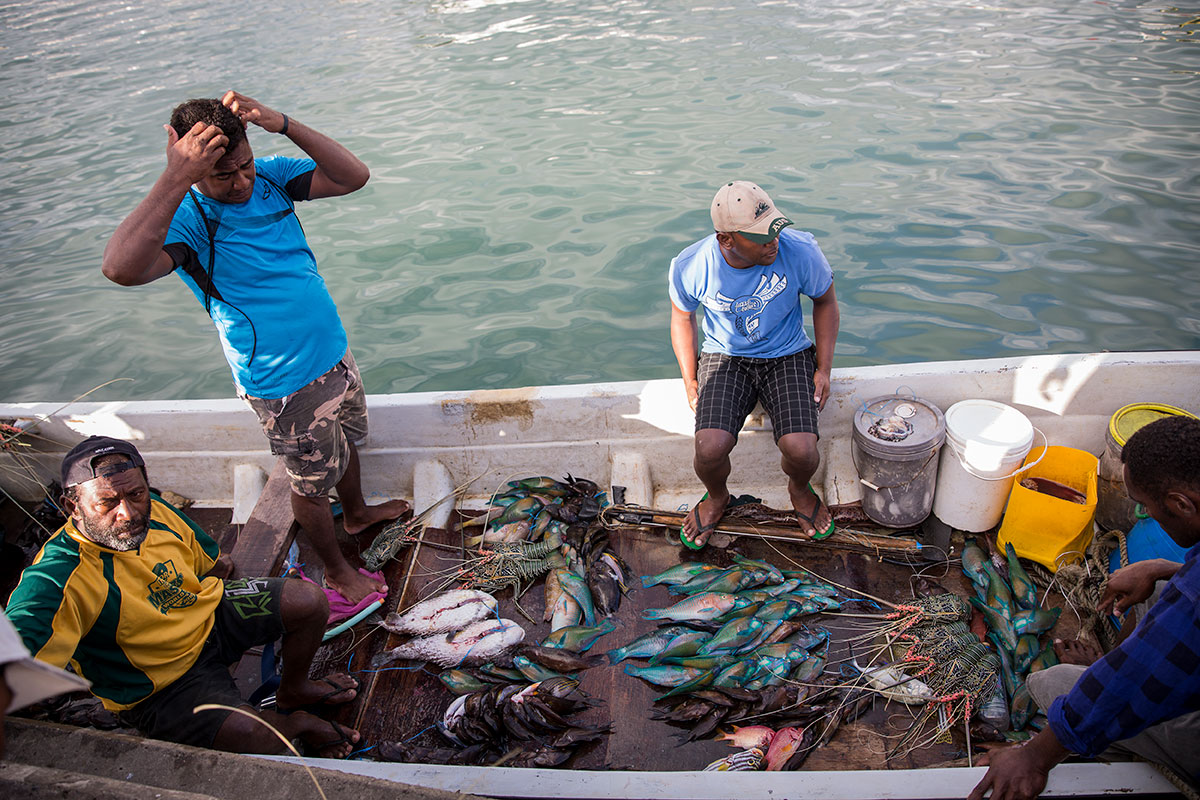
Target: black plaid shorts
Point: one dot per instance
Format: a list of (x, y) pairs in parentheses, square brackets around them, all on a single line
[(248, 615), (730, 386)]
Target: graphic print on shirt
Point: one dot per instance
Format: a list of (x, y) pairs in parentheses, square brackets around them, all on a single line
[(748, 308), (165, 591)]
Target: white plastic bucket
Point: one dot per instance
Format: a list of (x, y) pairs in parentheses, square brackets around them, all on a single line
[(986, 443)]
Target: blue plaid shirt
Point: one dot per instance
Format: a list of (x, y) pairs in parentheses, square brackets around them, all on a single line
[(1154, 675)]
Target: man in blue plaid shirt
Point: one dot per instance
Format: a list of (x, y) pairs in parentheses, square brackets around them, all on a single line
[(1143, 697)]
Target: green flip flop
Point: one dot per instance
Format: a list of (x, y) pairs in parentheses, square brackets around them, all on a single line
[(702, 529), (812, 519)]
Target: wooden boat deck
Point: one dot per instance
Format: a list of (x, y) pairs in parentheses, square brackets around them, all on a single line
[(403, 701)]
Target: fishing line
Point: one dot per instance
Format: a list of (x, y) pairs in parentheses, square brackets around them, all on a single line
[(418, 733)]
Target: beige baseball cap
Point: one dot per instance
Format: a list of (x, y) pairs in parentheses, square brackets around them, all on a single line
[(742, 207)]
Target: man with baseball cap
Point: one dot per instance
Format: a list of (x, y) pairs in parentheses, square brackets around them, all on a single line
[(749, 276), (130, 593)]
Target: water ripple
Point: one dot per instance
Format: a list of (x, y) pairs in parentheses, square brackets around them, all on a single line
[(985, 180)]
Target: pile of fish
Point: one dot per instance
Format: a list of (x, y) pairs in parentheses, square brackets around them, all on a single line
[(530, 717), (734, 647), (1015, 623), (591, 583), (458, 627), (526, 510), (517, 725), (561, 654), (539, 526), (760, 747)]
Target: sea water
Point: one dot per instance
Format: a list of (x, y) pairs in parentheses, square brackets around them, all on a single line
[(987, 179)]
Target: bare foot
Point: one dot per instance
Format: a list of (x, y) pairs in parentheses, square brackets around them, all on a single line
[(353, 585), (699, 523), (813, 515), (1077, 652), (372, 515), (332, 690), (331, 740)]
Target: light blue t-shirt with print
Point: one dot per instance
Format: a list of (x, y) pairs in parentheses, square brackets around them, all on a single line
[(753, 312), (279, 327)]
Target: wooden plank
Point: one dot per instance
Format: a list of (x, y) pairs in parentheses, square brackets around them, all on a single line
[(841, 539), (263, 541)]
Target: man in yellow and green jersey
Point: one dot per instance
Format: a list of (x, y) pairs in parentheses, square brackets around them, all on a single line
[(131, 594)]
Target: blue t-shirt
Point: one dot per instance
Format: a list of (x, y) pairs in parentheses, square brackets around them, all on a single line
[(278, 325), (752, 312)]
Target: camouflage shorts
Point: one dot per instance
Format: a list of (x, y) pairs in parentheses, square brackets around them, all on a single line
[(313, 428)]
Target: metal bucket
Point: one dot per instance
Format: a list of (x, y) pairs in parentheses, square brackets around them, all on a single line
[(895, 444)]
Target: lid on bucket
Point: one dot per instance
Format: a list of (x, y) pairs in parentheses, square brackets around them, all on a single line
[(894, 425), (987, 423), (1129, 419)]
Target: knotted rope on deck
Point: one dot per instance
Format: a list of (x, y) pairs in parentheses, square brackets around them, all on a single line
[(1083, 584)]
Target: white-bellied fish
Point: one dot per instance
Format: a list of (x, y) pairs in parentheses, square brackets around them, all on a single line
[(895, 685), (476, 643), (449, 611)]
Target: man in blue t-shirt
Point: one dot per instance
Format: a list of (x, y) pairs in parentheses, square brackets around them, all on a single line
[(749, 276), (225, 222)]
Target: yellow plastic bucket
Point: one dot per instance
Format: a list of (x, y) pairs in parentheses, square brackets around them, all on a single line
[(1114, 509), (1044, 528)]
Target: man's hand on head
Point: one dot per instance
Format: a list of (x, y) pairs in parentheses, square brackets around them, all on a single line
[(249, 110), (197, 152)]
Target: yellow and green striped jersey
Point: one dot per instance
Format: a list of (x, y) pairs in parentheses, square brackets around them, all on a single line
[(130, 622)]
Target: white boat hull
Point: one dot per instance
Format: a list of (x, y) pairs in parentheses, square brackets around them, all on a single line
[(637, 435)]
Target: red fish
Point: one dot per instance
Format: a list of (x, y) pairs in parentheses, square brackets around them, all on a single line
[(783, 746)]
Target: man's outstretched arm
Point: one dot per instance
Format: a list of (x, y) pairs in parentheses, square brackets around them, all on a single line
[(134, 254), (683, 341), (826, 321), (1019, 772), (338, 170)]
